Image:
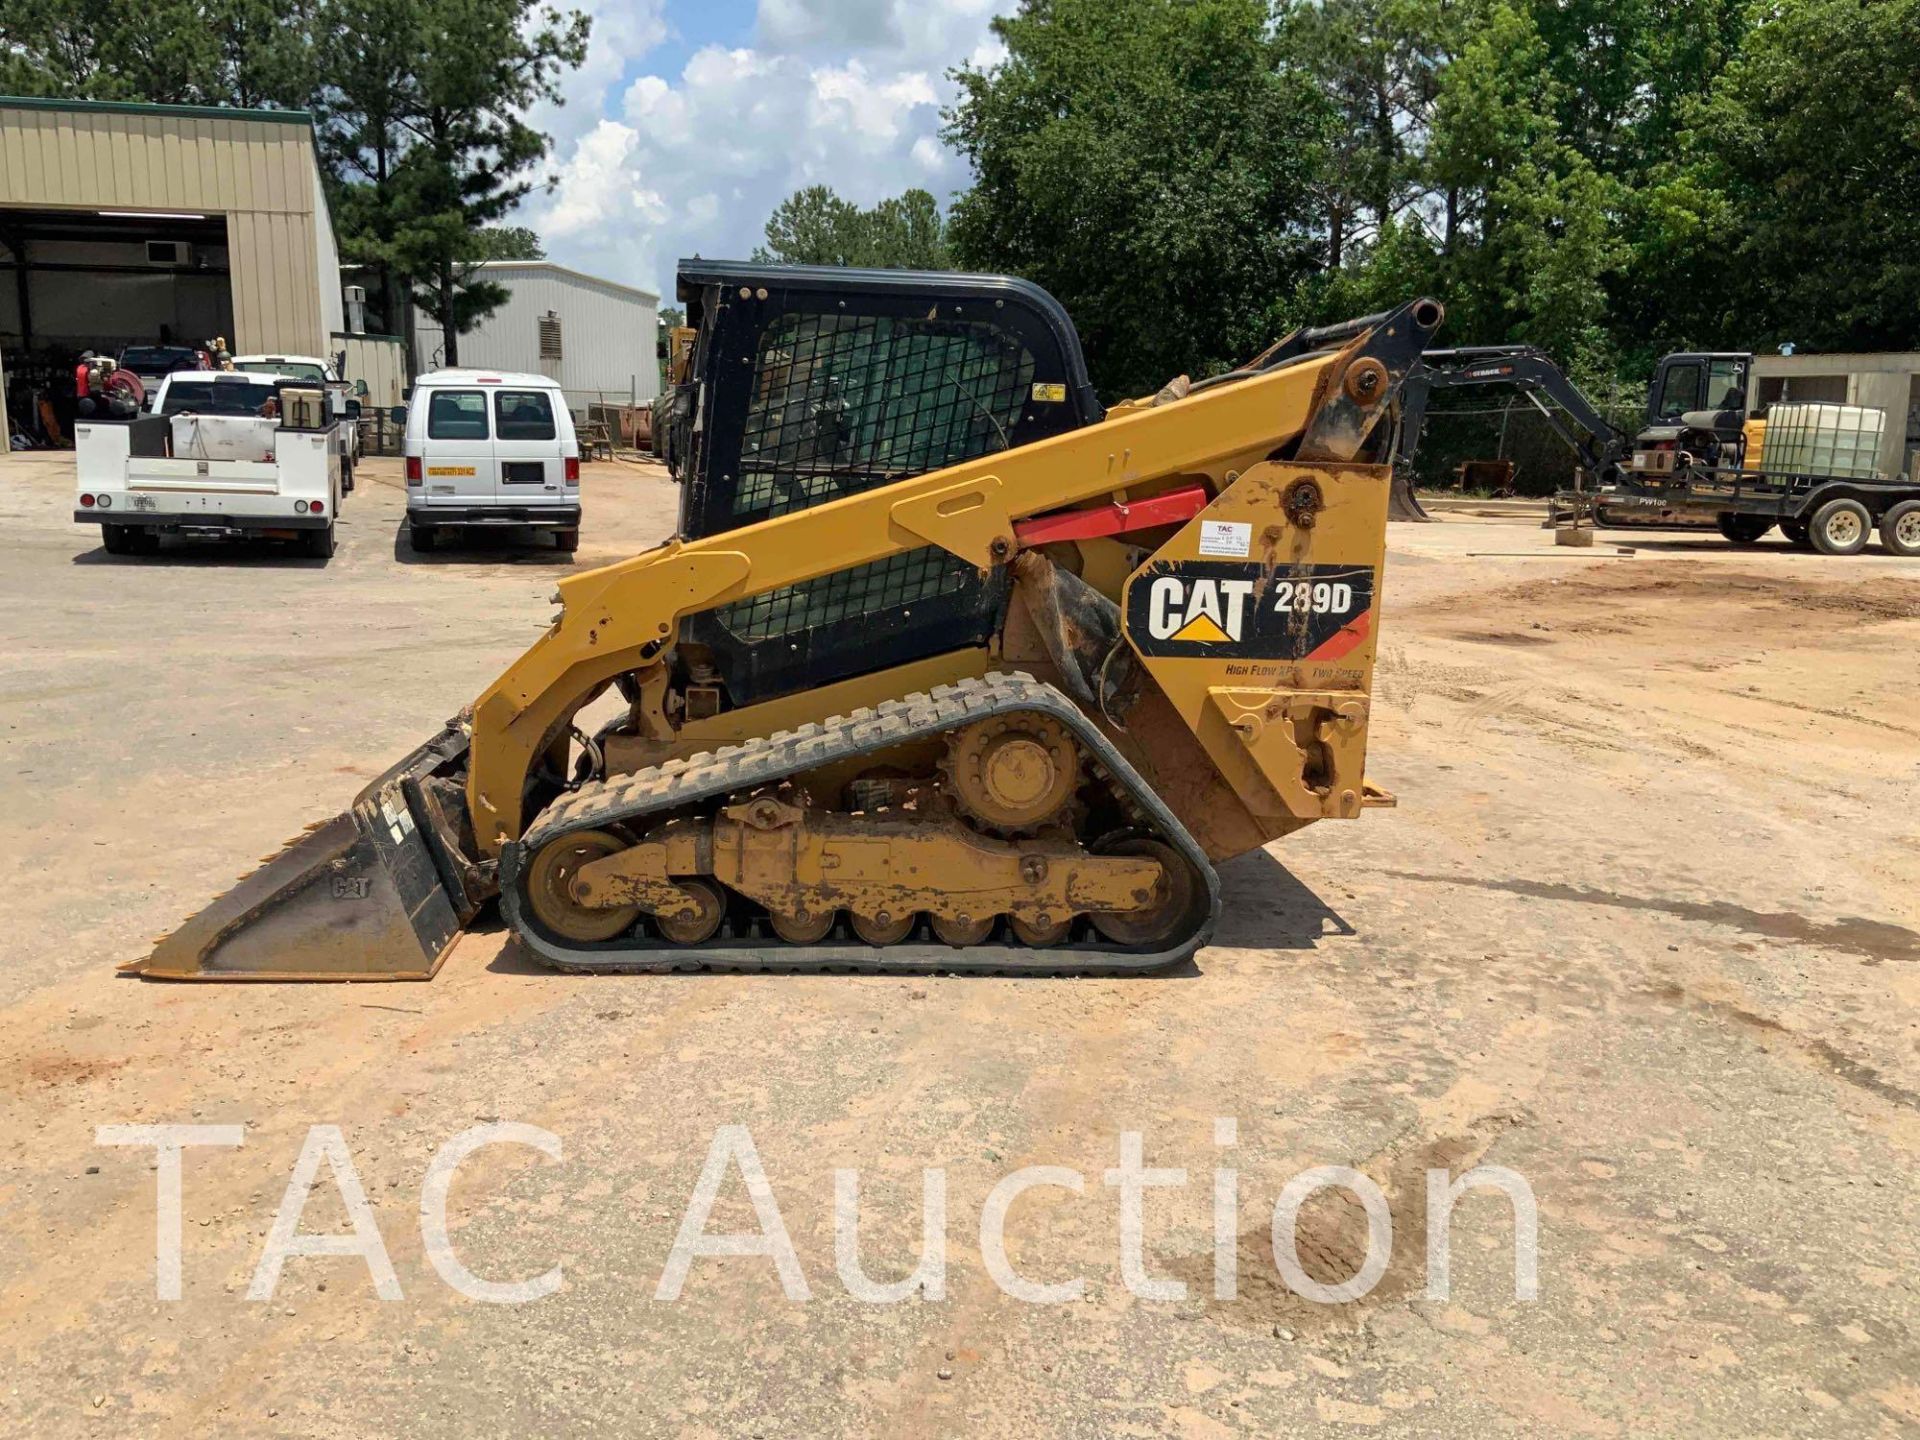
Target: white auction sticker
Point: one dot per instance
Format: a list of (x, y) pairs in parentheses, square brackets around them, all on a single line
[(1226, 537)]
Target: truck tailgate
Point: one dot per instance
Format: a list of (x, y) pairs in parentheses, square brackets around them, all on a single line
[(229, 477)]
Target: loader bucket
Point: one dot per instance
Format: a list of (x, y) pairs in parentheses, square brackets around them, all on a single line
[(378, 893)]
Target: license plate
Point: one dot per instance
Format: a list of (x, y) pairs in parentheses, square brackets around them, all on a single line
[(144, 502)]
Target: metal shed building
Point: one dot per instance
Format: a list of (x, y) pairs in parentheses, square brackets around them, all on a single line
[(118, 219), (599, 339)]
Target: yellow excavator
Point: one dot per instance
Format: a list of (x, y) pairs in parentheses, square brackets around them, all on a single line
[(947, 669)]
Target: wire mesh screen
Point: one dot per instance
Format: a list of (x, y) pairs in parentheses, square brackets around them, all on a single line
[(865, 590), (845, 403)]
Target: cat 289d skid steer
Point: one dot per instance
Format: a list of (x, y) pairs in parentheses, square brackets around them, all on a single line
[(946, 670)]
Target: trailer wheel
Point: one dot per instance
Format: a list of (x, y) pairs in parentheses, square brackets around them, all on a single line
[(1900, 528), (1841, 527), (1743, 529), (1797, 534)]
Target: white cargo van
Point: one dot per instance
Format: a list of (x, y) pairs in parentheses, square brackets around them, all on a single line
[(490, 448)]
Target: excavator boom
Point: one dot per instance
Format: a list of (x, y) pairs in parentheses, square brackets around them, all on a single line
[(1092, 655)]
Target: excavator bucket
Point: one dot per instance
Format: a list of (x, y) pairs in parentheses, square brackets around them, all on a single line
[(1402, 503), (378, 893)]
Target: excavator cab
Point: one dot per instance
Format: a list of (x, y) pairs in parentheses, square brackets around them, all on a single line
[(1696, 408)]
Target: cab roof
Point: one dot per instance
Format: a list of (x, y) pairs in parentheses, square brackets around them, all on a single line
[(486, 377), (227, 377)]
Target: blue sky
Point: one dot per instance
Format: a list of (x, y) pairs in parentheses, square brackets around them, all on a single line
[(724, 22), (690, 121)]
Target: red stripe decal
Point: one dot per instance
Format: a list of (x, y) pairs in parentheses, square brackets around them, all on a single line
[(1346, 639), (1174, 507)]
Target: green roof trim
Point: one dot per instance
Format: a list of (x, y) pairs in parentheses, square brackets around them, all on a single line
[(135, 107)]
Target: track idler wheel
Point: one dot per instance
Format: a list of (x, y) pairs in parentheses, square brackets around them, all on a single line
[(699, 919), (550, 888), (1169, 912)]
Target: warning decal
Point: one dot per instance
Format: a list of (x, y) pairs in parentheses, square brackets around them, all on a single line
[(1245, 611)]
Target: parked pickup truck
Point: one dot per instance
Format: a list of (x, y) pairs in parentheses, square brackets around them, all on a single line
[(341, 396), (223, 453)]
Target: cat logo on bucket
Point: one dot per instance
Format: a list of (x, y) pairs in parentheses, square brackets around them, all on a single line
[(1244, 611)]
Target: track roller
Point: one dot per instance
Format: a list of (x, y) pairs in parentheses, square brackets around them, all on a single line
[(883, 928), (962, 932), (700, 919), (809, 927), (1040, 935)]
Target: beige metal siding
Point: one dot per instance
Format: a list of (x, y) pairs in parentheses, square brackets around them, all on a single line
[(259, 174)]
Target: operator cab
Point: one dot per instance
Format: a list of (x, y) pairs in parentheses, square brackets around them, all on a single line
[(807, 384), (1697, 408)]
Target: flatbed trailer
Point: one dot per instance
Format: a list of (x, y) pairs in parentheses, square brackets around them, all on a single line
[(1835, 515)]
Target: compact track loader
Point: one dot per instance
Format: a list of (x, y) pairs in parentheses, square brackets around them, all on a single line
[(947, 669)]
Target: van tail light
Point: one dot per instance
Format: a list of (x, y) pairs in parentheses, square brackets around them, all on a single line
[(413, 470), (86, 502), (318, 507), (573, 469)]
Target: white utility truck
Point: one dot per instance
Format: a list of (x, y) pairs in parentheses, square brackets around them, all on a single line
[(222, 453)]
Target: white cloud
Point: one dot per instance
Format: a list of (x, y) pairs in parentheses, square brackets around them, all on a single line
[(622, 31), (844, 93), (595, 185)]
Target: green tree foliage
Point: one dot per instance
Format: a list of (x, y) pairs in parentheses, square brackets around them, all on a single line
[(1794, 210), (815, 226), (1378, 65), (509, 242), (1150, 162), (178, 52), (1606, 179), (468, 153)]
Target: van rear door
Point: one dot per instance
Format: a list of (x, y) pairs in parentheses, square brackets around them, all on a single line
[(526, 441), (457, 454)]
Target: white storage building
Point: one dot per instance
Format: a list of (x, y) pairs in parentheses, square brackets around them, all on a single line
[(597, 338)]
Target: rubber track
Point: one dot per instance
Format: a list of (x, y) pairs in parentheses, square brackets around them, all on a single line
[(734, 769)]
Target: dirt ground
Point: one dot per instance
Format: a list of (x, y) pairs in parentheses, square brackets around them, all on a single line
[(1643, 930)]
